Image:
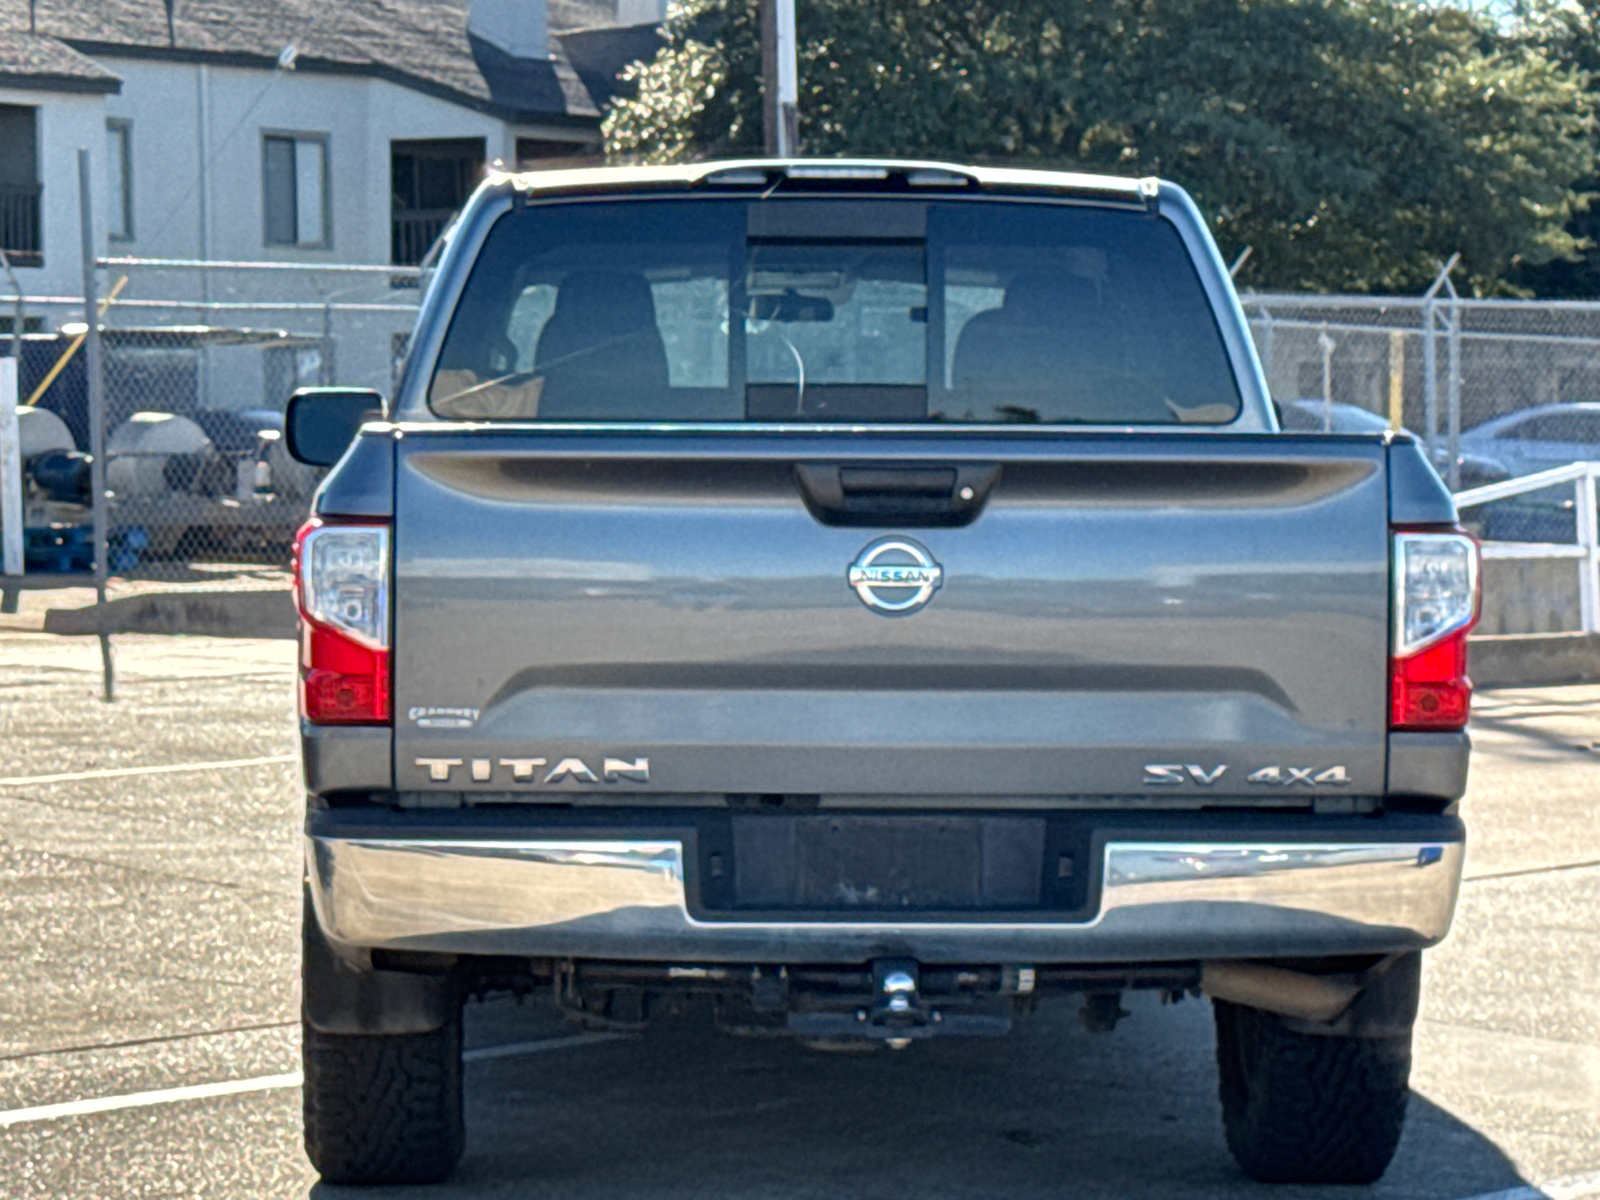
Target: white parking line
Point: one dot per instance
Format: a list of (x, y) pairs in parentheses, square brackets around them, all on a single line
[(265, 1083), (1573, 1187), (170, 769), (100, 1104)]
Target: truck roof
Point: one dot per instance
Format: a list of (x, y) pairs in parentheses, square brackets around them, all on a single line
[(760, 172)]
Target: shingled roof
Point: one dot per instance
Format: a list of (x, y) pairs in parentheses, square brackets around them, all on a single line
[(421, 44), (34, 61)]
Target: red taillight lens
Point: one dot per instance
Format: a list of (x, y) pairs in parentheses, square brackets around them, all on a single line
[(1435, 607), (341, 681), (1430, 690), (342, 590)]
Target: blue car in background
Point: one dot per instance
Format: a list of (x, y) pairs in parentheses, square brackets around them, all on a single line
[(1523, 443), (1536, 439)]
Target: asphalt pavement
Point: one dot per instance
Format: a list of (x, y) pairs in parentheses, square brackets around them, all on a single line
[(149, 889)]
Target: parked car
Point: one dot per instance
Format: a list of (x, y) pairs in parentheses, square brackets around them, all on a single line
[(707, 625), (1536, 439)]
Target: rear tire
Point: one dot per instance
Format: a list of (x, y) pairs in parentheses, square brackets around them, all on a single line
[(384, 1108), (1309, 1108)]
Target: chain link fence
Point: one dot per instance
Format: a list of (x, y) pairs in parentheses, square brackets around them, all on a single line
[(1497, 389), (199, 360)]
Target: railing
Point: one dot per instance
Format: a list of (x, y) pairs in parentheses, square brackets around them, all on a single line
[(19, 224), (1585, 551), (412, 233)]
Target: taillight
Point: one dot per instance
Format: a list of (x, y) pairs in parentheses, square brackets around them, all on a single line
[(341, 575), (1435, 606)]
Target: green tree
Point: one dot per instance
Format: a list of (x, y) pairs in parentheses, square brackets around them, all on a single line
[(1353, 143), (1568, 32)]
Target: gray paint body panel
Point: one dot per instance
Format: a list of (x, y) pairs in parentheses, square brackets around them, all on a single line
[(1417, 496), (361, 484), (340, 758), (1431, 765), (1121, 600)]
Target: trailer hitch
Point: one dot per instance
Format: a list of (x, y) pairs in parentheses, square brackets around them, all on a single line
[(899, 1013)]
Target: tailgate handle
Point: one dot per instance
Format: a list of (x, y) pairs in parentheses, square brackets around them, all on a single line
[(924, 495)]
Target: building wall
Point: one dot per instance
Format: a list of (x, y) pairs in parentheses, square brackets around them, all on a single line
[(196, 176), (192, 116), (197, 182), (66, 121)]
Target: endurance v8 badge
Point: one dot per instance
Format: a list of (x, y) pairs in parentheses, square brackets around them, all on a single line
[(895, 575)]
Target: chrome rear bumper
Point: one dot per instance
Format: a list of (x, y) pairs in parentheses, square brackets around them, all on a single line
[(627, 899)]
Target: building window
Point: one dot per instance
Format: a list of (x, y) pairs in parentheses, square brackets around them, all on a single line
[(119, 180), (294, 170), (429, 181), (20, 234)]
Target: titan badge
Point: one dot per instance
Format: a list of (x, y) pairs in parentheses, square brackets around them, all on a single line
[(529, 770), (895, 575)]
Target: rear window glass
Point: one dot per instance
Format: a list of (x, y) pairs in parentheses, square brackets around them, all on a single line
[(828, 310)]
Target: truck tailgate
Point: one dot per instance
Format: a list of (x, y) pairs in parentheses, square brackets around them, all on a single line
[(662, 613)]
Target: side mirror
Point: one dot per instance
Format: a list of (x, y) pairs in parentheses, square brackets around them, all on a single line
[(321, 423)]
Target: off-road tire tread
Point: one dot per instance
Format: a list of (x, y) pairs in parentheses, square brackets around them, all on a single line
[(1305, 1108), (384, 1109)]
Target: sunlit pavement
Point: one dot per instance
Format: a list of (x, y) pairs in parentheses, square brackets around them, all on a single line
[(149, 943)]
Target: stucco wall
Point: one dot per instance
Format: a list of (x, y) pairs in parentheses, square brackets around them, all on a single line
[(66, 121), (359, 117)]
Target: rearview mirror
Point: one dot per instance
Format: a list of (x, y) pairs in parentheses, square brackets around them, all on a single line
[(790, 306), (321, 423)]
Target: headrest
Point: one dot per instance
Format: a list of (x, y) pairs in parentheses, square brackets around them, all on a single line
[(619, 300), (1049, 295)]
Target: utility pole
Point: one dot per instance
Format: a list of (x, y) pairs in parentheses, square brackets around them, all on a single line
[(94, 369), (780, 79)]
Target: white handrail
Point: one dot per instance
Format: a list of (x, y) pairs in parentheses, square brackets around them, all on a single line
[(1524, 483), (1585, 550)]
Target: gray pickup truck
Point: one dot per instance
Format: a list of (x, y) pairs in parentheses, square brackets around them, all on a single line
[(854, 600)]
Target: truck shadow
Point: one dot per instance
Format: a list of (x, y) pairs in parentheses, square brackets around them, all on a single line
[(1050, 1111)]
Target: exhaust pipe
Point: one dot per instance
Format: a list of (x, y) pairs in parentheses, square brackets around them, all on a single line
[(1277, 990)]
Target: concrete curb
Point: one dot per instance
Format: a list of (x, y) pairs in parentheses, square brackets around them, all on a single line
[(255, 614), (1533, 659)]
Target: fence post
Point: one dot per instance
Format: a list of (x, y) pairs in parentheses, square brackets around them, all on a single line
[(1589, 564), (1264, 346), (325, 372), (94, 367), (11, 562), (1453, 392), (21, 320), (1430, 354), (1430, 381), (1327, 345), (1397, 379)]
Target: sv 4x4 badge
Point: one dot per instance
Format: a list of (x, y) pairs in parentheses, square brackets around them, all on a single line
[(1175, 774)]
